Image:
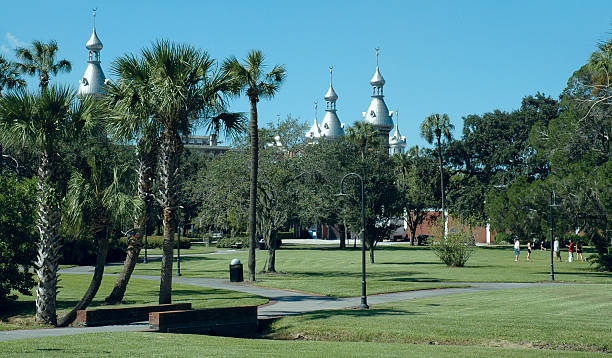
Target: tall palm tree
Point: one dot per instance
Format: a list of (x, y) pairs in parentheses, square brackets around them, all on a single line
[(183, 87), (94, 202), (40, 121), (251, 78), (40, 60), (439, 127), (129, 98), (9, 76)]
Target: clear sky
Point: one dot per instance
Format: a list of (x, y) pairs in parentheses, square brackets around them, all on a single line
[(455, 57)]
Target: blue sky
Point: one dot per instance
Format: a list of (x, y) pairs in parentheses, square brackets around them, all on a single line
[(455, 57)]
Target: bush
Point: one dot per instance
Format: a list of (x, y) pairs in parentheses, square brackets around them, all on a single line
[(504, 237), (17, 236), (232, 242), (284, 235), (157, 242), (456, 249), (82, 251)]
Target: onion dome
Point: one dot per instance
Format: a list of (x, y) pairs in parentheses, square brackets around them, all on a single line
[(331, 95), (94, 42), (377, 79)]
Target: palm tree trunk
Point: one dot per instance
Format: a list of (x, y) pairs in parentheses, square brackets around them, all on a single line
[(96, 280), (253, 186), (145, 180), (441, 178), (371, 253), (47, 261), (171, 152)]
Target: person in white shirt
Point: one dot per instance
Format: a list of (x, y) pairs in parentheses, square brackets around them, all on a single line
[(556, 248), (517, 248)]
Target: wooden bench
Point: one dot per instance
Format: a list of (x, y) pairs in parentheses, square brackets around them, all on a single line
[(230, 321), (123, 315)]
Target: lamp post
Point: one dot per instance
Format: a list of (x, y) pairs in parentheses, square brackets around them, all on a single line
[(364, 298), (146, 260), (178, 244), (553, 203)]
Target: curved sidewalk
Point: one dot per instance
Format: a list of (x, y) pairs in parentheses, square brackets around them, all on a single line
[(282, 302)]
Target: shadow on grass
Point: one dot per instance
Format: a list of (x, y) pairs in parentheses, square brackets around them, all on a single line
[(359, 313)]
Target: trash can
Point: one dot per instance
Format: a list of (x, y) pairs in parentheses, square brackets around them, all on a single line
[(262, 244), (236, 271)]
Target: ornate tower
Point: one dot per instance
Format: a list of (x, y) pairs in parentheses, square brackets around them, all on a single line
[(378, 115), (331, 128), (397, 142), (93, 79)]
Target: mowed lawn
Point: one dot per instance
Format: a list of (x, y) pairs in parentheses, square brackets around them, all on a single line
[(20, 314), (332, 272), (559, 321), (185, 345), (572, 317)]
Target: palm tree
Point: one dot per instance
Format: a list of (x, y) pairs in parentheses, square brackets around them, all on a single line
[(252, 80), (364, 136), (182, 88), (132, 106), (9, 76), (40, 60), (92, 205), (41, 121), (440, 127)]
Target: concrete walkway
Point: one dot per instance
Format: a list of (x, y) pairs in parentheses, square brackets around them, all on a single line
[(282, 302)]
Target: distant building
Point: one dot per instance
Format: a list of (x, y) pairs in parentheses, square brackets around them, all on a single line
[(330, 127), (206, 143)]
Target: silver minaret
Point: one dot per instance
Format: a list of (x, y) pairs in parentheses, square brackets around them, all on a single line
[(378, 115), (331, 128), (93, 79), (397, 142)]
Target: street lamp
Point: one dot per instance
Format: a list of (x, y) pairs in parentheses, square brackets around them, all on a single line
[(553, 203), (364, 298), (178, 246)]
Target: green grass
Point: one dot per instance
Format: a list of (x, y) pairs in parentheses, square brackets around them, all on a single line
[(334, 272), (19, 314), (575, 317), (170, 345)]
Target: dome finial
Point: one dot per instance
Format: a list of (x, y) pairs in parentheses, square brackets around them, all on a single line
[(331, 69), (316, 110), (94, 16), (377, 51)]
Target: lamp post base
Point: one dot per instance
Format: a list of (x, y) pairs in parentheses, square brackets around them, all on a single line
[(364, 303)]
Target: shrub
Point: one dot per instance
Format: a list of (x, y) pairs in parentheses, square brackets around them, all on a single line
[(157, 242), (229, 242), (284, 235), (504, 237), (456, 249), (17, 236)]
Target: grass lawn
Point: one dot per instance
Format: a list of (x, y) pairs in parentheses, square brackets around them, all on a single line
[(172, 345), (20, 314), (333, 272), (560, 317)]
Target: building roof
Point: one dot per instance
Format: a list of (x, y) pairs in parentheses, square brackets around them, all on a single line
[(377, 80), (94, 42), (331, 128)]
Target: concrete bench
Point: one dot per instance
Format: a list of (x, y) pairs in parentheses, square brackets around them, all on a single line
[(123, 315), (230, 321)]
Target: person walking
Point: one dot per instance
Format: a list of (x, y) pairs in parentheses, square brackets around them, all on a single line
[(556, 249), (579, 251), (517, 248), (570, 250), (529, 251)]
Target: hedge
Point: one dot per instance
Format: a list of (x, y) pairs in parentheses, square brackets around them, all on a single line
[(156, 242)]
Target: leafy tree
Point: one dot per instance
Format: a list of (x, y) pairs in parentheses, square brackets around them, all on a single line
[(17, 236), (40, 60), (415, 177), (41, 121), (9, 76), (439, 127), (252, 79)]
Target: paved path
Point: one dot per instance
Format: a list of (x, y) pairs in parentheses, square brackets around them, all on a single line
[(282, 302)]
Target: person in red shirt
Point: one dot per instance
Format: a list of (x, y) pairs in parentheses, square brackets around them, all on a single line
[(570, 250)]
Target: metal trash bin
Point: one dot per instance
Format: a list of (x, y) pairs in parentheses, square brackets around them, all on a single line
[(236, 271)]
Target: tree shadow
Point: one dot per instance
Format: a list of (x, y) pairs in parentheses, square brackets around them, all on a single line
[(359, 313)]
